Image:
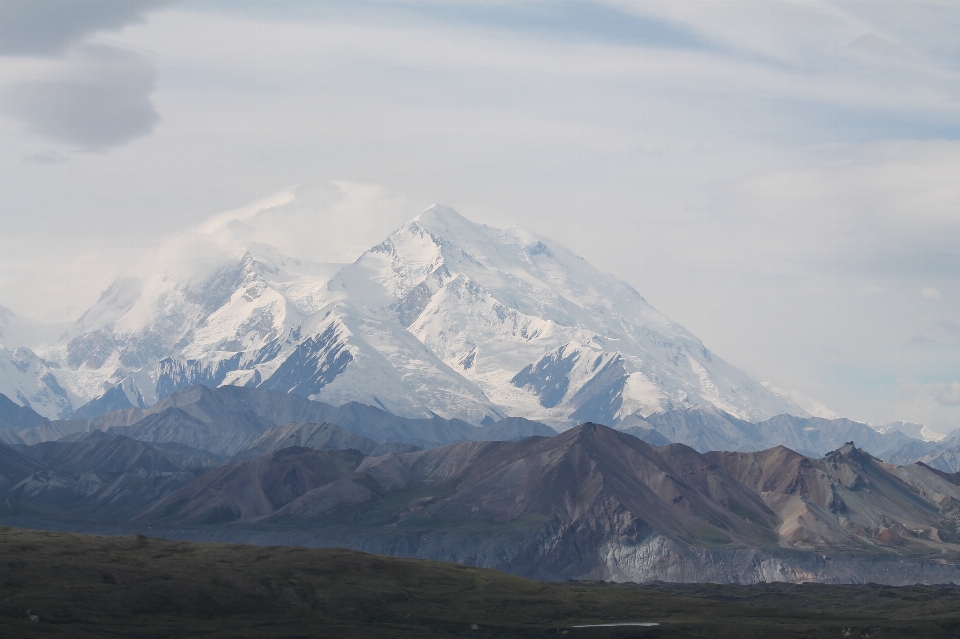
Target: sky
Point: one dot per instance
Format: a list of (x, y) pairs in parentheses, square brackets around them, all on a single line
[(780, 177)]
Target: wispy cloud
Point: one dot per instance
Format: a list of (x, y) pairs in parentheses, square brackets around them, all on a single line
[(950, 395)]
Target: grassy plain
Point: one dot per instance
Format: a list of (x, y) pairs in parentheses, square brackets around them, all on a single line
[(83, 587)]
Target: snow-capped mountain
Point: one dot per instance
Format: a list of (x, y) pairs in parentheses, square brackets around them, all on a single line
[(444, 317), (543, 333), (24, 376)]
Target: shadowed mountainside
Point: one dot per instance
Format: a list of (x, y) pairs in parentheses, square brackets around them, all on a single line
[(15, 466)]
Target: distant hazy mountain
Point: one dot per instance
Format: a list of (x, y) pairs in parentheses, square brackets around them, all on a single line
[(709, 428), (226, 420), (911, 429), (318, 437), (15, 417), (445, 317)]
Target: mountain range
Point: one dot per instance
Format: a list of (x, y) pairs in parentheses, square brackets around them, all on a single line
[(445, 317), (226, 421), (592, 502)]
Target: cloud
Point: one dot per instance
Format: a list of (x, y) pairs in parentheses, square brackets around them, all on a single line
[(319, 223), (802, 400), (950, 396), (49, 27), (930, 293), (99, 98), (49, 157), (938, 331)]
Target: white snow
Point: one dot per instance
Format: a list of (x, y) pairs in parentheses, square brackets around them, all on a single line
[(438, 318)]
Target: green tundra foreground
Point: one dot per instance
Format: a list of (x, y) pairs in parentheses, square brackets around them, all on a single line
[(68, 585)]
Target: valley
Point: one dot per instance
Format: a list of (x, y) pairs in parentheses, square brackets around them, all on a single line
[(57, 585)]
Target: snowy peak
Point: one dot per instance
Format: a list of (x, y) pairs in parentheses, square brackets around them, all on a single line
[(444, 317)]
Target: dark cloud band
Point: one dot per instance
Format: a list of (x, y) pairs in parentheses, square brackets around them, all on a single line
[(49, 27), (101, 100)]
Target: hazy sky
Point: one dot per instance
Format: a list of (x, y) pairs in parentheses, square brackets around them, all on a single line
[(782, 178)]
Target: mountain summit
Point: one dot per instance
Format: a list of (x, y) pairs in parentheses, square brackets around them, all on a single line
[(444, 317)]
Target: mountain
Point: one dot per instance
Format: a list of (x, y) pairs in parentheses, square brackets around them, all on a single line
[(540, 331), (25, 377), (32, 382), (15, 466), (513, 428), (911, 429), (595, 503), (98, 475), (702, 428), (226, 420), (821, 435), (444, 318), (841, 501), (100, 452), (15, 417), (251, 489), (111, 400), (318, 437), (709, 428), (589, 503)]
